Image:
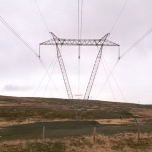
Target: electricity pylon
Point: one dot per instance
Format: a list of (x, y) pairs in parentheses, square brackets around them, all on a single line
[(79, 42)]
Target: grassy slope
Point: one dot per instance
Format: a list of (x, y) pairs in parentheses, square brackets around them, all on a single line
[(12, 108), (44, 112)]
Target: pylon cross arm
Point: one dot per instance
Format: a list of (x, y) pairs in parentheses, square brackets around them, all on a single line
[(79, 42), (76, 42)]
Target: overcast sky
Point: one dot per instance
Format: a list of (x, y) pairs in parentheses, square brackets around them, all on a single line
[(21, 73)]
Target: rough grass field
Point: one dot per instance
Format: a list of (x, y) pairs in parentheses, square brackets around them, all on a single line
[(113, 143), (69, 125)]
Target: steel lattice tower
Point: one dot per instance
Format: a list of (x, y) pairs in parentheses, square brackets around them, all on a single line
[(79, 42)]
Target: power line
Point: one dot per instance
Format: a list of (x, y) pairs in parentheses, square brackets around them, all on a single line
[(81, 18), (78, 19), (119, 16), (79, 37), (50, 77), (111, 74), (42, 16), (108, 81), (136, 43), (115, 81), (44, 76), (107, 78), (13, 31), (143, 37)]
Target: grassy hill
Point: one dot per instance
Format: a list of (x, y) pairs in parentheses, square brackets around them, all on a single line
[(23, 118), (12, 108)]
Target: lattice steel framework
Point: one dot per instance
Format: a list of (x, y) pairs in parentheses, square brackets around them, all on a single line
[(79, 42)]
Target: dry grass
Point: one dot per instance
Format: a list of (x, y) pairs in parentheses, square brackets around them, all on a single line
[(118, 143), (37, 109), (16, 111)]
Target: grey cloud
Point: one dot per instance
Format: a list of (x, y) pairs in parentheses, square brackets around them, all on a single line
[(16, 88)]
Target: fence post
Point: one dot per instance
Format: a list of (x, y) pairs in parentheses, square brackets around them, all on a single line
[(138, 133), (94, 135), (137, 129), (43, 135)]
